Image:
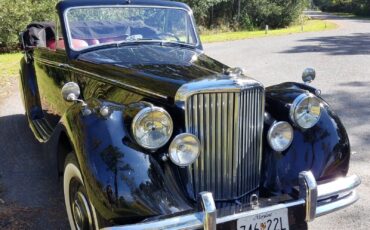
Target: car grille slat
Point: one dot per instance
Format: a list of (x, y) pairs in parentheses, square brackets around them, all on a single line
[(229, 126)]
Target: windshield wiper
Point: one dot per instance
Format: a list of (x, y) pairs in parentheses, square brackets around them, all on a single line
[(138, 41), (163, 43), (99, 46)]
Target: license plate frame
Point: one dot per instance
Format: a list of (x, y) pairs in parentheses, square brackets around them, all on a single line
[(271, 220)]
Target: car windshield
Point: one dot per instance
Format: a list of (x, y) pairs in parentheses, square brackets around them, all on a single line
[(94, 26)]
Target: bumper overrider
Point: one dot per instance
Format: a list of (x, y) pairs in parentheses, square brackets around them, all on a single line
[(314, 200)]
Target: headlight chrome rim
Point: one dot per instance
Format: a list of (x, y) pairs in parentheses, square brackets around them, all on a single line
[(296, 105), (180, 137), (272, 129), (140, 115)]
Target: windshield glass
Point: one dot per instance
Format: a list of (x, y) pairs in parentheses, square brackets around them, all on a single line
[(94, 26)]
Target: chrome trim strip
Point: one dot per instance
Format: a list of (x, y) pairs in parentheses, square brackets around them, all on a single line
[(52, 63), (308, 191), (217, 84)]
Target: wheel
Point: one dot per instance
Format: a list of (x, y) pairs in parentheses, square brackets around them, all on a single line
[(81, 214)]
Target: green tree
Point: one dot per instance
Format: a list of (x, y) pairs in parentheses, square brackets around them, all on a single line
[(16, 14), (359, 7), (247, 13)]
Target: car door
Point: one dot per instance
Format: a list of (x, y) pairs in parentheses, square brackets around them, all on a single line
[(52, 72)]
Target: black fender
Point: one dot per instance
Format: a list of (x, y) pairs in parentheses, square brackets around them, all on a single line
[(124, 183), (323, 149)]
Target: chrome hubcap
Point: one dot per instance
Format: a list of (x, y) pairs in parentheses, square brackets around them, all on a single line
[(81, 211)]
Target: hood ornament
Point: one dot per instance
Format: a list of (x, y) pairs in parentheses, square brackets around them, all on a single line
[(235, 72)]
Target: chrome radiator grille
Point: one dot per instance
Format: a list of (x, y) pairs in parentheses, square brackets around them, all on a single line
[(229, 126)]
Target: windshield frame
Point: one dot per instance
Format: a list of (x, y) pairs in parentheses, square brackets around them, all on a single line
[(189, 12)]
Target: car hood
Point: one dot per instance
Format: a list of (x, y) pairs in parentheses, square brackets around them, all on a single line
[(157, 69)]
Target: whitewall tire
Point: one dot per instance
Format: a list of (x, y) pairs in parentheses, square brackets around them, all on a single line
[(81, 214)]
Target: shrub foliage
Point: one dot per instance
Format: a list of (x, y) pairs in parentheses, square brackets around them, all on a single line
[(229, 14), (359, 7), (16, 14), (246, 14)]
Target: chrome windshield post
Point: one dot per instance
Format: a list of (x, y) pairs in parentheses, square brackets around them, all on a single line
[(308, 191), (209, 209)]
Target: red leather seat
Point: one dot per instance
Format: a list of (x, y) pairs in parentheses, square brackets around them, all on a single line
[(76, 44), (115, 39), (92, 42), (52, 45), (79, 44)]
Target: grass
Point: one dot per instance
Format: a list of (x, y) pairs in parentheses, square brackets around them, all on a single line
[(9, 69), (309, 26), (9, 66)]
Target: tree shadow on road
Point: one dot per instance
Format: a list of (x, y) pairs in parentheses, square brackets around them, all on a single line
[(29, 178), (351, 101), (355, 44)]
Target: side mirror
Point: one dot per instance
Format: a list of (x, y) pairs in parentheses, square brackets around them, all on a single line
[(71, 92), (308, 75)]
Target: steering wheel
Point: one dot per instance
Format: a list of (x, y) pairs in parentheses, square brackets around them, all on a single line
[(169, 35)]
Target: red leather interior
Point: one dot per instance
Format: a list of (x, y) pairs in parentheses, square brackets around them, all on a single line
[(76, 43), (92, 42), (115, 39), (79, 44)]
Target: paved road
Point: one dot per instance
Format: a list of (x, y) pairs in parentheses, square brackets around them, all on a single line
[(342, 60), (341, 57)]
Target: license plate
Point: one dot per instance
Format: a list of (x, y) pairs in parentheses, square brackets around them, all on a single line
[(274, 220)]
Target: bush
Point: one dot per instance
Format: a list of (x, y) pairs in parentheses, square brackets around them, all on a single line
[(15, 15), (210, 14), (359, 7), (247, 14)]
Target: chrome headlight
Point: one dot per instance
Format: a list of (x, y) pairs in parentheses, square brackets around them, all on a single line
[(152, 127), (280, 136), (184, 149), (306, 111)]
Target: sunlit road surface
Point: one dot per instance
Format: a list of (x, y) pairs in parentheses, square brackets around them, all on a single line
[(341, 58)]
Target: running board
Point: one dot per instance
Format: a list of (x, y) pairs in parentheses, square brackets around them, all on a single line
[(42, 129)]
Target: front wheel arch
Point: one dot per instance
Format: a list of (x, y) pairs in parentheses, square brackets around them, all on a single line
[(72, 174), (64, 148)]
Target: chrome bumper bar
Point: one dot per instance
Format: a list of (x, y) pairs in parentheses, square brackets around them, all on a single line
[(317, 199)]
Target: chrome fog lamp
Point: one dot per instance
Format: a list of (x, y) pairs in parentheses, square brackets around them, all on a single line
[(305, 111), (184, 149), (280, 136), (152, 127)]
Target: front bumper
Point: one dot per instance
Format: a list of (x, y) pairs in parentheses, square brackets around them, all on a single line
[(315, 200)]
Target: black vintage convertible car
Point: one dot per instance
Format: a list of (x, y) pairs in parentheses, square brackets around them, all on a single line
[(150, 133)]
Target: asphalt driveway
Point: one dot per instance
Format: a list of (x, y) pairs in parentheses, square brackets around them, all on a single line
[(32, 198), (342, 60)]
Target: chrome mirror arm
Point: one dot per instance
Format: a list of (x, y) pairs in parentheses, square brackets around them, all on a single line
[(71, 92)]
